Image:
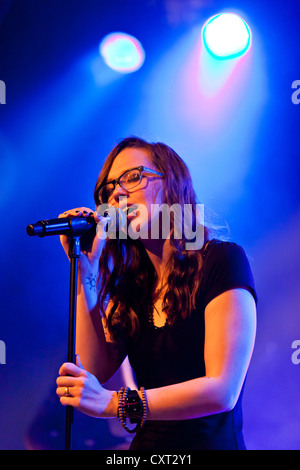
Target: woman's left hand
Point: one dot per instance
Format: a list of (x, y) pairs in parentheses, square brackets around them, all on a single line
[(78, 388)]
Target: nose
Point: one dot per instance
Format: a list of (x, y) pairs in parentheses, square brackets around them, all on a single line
[(119, 191)]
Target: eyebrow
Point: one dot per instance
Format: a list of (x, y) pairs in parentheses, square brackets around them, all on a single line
[(112, 179)]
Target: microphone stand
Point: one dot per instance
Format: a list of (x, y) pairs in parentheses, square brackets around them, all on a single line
[(56, 227), (74, 254)]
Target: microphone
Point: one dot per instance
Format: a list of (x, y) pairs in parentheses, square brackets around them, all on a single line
[(64, 226), (75, 226)]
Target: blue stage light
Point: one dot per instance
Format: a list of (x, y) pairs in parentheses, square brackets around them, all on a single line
[(122, 52), (226, 36)]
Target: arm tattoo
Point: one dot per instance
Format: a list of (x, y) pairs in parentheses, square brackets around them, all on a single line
[(92, 282)]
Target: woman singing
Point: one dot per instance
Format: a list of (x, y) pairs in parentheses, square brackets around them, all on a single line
[(186, 318)]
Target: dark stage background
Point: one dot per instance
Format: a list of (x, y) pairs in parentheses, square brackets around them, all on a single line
[(65, 109)]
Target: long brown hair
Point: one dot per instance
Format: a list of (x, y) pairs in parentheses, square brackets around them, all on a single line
[(126, 275)]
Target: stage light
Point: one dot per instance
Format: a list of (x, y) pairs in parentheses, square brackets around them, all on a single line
[(122, 52), (226, 36)]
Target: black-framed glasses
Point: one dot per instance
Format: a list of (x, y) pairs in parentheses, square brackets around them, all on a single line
[(128, 181)]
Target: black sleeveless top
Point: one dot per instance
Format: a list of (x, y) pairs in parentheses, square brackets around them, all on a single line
[(174, 354)]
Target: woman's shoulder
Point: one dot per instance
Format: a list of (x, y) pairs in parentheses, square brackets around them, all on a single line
[(217, 247), (225, 266)]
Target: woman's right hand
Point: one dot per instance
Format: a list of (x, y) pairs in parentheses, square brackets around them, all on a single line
[(91, 243)]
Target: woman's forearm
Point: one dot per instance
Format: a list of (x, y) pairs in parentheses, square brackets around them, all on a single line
[(194, 398), (99, 357), (191, 399)]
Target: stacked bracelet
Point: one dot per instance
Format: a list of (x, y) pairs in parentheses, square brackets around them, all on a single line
[(131, 406), (144, 406)]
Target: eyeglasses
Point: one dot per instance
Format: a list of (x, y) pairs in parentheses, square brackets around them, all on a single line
[(128, 181)]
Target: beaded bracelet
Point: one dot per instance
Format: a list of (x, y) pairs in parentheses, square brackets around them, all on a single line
[(145, 406), (121, 411)]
